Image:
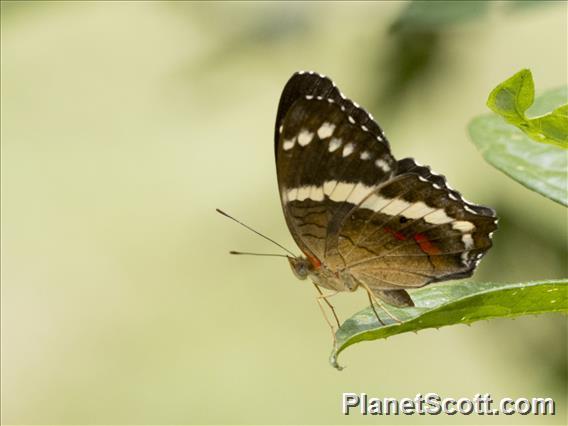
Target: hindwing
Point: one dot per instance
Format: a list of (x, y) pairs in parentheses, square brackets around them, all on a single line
[(414, 230)]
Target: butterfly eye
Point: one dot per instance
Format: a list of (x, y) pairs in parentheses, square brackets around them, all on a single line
[(299, 267), (302, 270)]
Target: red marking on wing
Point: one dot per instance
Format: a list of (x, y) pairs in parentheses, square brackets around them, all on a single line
[(425, 245), (395, 234), (314, 261)]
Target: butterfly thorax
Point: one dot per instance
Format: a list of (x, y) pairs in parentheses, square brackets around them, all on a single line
[(337, 281), (321, 275)]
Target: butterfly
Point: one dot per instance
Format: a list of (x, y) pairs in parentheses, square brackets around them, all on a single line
[(361, 217)]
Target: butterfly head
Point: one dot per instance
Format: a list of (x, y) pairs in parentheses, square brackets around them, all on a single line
[(300, 266)]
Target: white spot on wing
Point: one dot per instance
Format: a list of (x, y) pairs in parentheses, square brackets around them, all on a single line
[(305, 137), (312, 192), (395, 207), (303, 193), (382, 164), (328, 186), (375, 202), (365, 155), (463, 226), (292, 194), (334, 144), (326, 130), (316, 193), (438, 217), (337, 191), (288, 144), (467, 241), (341, 191), (348, 149), (417, 210), (468, 244), (359, 193)]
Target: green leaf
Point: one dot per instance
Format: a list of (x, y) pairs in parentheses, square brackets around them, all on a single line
[(454, 303), (554, 124), (539, 167), (512, 98)]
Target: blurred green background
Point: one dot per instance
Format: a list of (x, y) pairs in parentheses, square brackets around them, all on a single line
[(125, 124)]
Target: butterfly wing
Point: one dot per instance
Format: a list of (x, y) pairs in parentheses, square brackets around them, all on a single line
[(349, 204), (415, 230), (325, 147)]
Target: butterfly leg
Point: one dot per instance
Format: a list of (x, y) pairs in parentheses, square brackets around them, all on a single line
[(327, 320), (318, 299), (325, 297), (373, 308)]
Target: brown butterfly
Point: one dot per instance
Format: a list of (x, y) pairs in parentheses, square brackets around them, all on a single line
[(360, 217)]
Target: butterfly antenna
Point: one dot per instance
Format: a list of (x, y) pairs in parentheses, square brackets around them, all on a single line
[(256, 232), (248, 253)]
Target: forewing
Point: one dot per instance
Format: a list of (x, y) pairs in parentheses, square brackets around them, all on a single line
[(323, 155)]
